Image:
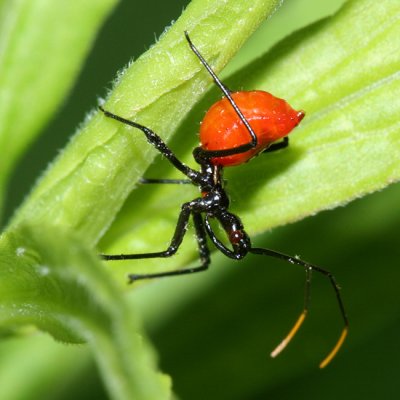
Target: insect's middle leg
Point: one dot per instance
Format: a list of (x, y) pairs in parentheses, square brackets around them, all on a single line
[(177, 238), (204, 253), (176, 241)]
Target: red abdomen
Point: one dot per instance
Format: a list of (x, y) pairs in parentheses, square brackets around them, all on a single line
[(271, 119)]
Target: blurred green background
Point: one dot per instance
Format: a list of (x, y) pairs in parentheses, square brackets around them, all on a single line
[(216, 345)]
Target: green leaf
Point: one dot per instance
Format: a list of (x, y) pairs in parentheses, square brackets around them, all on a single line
[(235, 314), (220, 327), (347, 146), (42, 46), (90, 180), (50, 280), (86, 186), (48, 367)]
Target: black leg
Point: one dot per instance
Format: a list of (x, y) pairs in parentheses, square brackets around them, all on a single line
[(203, 252), (166, 181), (158, 143), (201, 238), (207, 154), (180, 231), (277, 146), (309, 268), (218, 244)]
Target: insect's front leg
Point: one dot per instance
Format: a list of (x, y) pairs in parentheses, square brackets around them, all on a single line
[(156, 141)]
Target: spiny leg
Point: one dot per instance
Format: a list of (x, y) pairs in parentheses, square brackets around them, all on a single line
[(328, 274)]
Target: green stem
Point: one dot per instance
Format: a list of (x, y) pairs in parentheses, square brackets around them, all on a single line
[(88, 183)]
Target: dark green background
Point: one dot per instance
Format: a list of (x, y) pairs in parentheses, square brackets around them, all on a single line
[(217, 346)]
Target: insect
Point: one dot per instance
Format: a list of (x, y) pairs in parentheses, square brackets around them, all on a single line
[(235, 129)]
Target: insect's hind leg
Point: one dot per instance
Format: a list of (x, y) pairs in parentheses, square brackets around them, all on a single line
[(307, 295), (309, 268)]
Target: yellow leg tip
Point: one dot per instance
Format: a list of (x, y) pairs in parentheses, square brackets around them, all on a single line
[(278, 349), (334, 351)]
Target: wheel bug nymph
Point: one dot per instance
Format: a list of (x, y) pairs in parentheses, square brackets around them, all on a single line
[(236, 128)]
